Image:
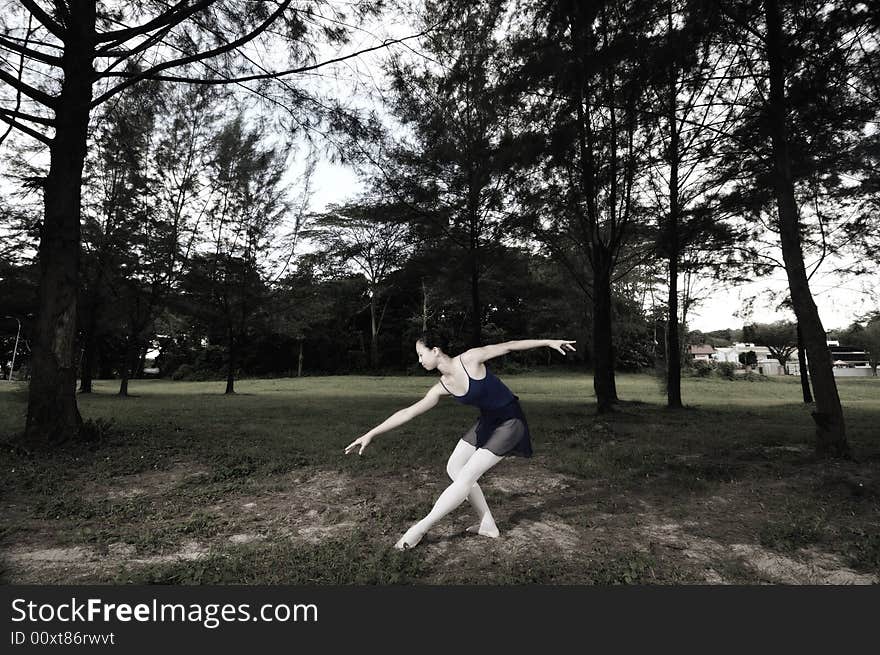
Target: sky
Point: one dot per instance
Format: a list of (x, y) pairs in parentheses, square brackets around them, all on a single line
[(840, 302)]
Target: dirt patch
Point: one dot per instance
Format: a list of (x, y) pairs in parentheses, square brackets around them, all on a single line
[(148, 483), (313, 507), (188, 552), (65, 565), (315, 534), (50, 555), (526, 482), (816, 567), (548, 533)]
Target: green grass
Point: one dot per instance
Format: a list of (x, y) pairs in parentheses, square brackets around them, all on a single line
[(337, 561), (750, 441)]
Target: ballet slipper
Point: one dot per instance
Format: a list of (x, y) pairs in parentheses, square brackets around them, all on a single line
[(407, 542), (487, 531)]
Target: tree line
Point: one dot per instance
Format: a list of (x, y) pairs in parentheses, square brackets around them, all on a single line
[(542, 167)]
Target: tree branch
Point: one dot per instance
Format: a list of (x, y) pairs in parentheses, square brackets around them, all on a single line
[(39, 96), (150, 72), (33, 54), (62, 9), (174, 16), (28, 117), (20, 72), (45, 19), (27, 130), (136, 77), (147, 43)]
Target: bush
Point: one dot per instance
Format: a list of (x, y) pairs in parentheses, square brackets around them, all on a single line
[(702, 368), (183, 372), (727, 370)]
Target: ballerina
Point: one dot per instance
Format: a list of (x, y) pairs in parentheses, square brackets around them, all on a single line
[(500, 430)]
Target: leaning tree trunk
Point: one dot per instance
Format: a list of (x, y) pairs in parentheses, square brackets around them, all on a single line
[(830, 428), (802, 367), (52, 414), (603, 347)]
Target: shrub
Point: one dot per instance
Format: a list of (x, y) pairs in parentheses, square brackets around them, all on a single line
[(727, 370), (183, 372), (702, 368)]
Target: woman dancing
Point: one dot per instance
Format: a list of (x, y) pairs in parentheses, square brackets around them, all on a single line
[(500, 430)]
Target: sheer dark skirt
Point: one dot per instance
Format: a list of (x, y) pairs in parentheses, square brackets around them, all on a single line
[(503, 431)]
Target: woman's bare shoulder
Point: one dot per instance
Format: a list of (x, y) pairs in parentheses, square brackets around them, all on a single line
[(473, 362)]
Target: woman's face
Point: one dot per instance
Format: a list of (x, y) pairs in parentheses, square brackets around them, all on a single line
[(427, 356)]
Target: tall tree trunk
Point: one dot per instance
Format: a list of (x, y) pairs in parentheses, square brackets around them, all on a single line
[(424, 306), (603, 348), (673, 341), (52, 415), (299, 360), (830, 428), (86, 368), (127, 364), (230, 370), (476, 313), (374, 333), (105, 365), (88, 362), (802, 367), (142, 362)]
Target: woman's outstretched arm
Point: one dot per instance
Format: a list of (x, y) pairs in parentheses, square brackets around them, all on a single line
[(398, 418), (485, 353)]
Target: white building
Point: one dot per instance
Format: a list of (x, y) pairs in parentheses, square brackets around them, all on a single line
[(767, 364), (848, 362), (701, 352)]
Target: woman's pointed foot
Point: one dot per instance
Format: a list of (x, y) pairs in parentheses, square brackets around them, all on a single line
[(409, 540), (485, 528)]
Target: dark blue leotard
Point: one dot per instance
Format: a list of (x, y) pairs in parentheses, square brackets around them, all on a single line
[(501, 427)]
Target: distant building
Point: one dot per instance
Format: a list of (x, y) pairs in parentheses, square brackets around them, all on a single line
[(732, 353), (767, 364), (701, 352), (848, 362)]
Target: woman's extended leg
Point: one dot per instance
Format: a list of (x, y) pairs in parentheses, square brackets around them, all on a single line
[(459, 457), (453, 496)]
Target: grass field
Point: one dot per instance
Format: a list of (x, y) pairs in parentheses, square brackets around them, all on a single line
[(185, 485)]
